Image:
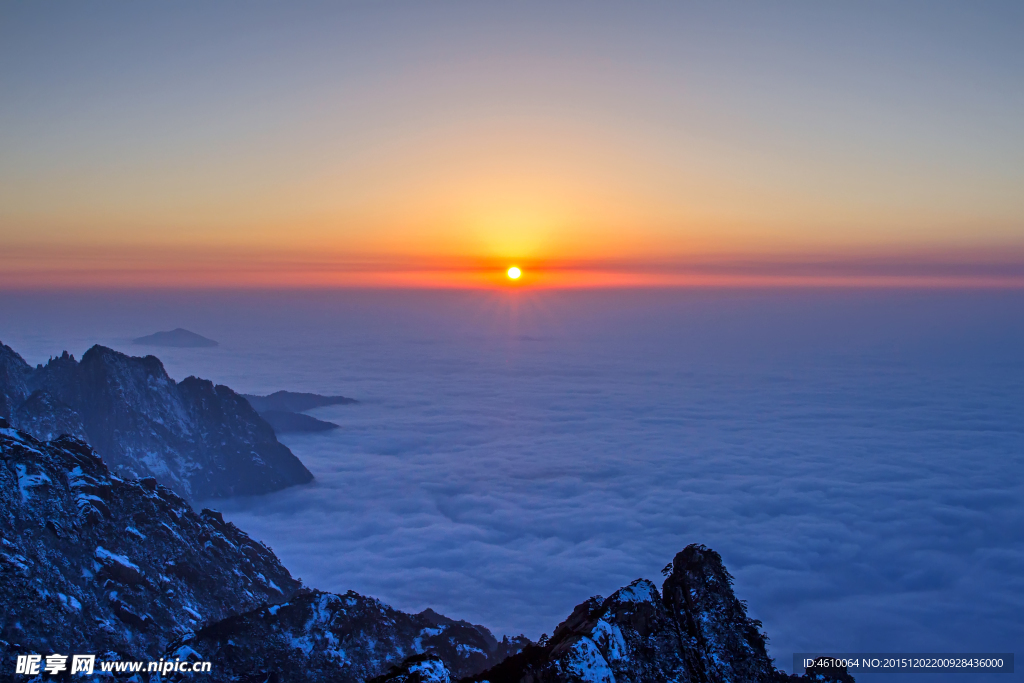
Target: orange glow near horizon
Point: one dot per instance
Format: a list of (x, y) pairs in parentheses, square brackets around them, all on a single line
[(171, 269)]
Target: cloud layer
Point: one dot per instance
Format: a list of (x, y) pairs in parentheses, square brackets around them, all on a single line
[(858, 459)]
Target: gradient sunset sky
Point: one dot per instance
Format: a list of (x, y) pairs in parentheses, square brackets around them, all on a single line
[(436, 144)]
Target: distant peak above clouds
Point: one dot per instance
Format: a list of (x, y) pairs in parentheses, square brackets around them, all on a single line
[(294, 401), (284, 410), (177, 337)]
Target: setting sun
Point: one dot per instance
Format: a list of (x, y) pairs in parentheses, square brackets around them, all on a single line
[(514, 273)]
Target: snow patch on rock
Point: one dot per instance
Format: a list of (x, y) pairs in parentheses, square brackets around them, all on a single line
[(585, 661), (640, 591)]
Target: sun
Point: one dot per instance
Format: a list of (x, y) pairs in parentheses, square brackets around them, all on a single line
[(514, 273)]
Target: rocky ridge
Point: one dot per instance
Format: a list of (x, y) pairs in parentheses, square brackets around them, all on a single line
[(694, 630), (322, 637), (199, 439), (92, 563)]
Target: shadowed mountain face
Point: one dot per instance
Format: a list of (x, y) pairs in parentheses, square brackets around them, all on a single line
[(92, 563), (178, 338), (198, 439)]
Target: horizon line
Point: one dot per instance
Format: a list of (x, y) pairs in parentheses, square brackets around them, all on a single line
[(945, 269), (490, 281)]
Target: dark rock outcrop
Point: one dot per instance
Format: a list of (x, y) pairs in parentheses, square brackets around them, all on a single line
[(425, 668), (178, 337), (200, 439), (92, 563)]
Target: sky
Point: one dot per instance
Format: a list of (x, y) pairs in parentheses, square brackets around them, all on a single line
[(436, 144)]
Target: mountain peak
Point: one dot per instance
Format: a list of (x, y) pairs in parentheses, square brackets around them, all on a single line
[(202, 440)]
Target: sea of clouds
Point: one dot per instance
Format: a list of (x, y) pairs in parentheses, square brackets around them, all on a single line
[(856, 457)]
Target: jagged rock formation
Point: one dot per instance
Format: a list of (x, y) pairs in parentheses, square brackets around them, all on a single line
[(177, 337), (694, 631), (346, 638), (90, 563), (200, 440)]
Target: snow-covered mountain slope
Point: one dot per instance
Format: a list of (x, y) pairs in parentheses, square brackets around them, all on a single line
[(200, 440), (347, 638), (90, 563), (424, 668)]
